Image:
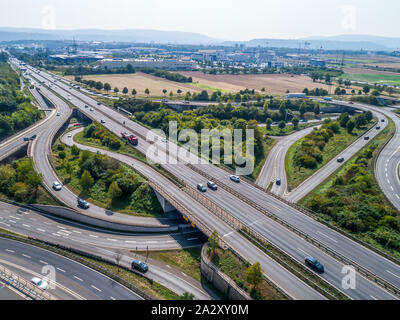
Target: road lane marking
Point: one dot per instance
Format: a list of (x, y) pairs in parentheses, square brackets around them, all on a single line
[(228, 234), (61, 227), (77, 278), (373, 297), (6, 224), (393, 274), (151, 241), (112, 298), (111, 239), (77, 231), (26, 225), (96, 288), (26, 256), (192, 239), (15, 218), (303, 251), (41, 230), (323, 234), (44, 262), (12, 221), (93, 236), (59, 269), (8, 250), (130, 241)]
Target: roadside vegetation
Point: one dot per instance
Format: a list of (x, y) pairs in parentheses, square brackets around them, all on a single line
[(248, 277), (16, 110), (20, 182), (316, 149), (105, 181), (351, 199)]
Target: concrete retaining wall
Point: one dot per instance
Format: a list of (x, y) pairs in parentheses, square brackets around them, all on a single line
[(219, 279), (76, 216)]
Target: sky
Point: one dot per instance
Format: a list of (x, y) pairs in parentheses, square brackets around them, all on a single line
[(221, 19)]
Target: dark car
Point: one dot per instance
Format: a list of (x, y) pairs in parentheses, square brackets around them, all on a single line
[(212, 185), (378, 128), (33, 137), (201, 187), (314, 263), (26, 139), (140, 265), (83, 203), (278, 181), (98, 103), (366, 138), (340, 159), (382, 120)]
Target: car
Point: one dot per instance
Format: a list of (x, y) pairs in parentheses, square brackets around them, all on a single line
[(82, 203), (235, 178), (212, 185), (382, 120), (99, 103), (351, 102), (91, 109), (340, 159), (69, 98), (201, 187), (366, 138), (57, 186), (26, 139), (69, 135), (33, 137), (58, 114), (102, 121), (86, 106), (140, 265), (41, 284), (378, 127), (278, 181), (314, 263)]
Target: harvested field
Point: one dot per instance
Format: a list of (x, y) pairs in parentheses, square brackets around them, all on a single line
[(273, 83), (140, 81)]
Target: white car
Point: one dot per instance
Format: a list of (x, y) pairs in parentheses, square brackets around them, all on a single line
[(57, 186), (41, 284), (70, 135), (91, 109)]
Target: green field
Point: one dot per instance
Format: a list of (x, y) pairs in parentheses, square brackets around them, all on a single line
[(391, 79), (206, 87)]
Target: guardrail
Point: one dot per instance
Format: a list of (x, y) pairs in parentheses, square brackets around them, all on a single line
[(23, 285), (365, 272), (69, 253), (238, 225)]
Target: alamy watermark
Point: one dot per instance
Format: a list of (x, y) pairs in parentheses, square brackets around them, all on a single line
[(195, 148)]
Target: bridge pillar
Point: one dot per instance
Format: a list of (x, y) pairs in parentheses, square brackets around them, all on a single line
[(167, 207)]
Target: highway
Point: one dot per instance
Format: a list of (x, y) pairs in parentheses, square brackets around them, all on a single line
[(73, 280), (273, 270), (264, 226), (342, 244), (274, 166)]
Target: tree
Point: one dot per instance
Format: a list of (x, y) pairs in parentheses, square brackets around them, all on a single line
[(86, 181), (282, 110), (295, 122), (187, 296), (265, 106), (125, 90), (62, 155), (114, 191), (254, 274), (366, 89), (107, 87), (268, 123), (351, 124), (116, 90), (213, 241), (165, 92), (282, 125), (69, 168), (317, 110), (171, 94), (134, 92), (343, 119), (179, 91), (147, 92), (75, 150), (99, 85), (369, 116), (34, 180), (328, 78), (302, 109)]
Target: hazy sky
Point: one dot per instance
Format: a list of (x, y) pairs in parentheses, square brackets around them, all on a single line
[(224, 19)]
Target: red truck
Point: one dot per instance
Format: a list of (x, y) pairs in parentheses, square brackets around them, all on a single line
[(131, 138)]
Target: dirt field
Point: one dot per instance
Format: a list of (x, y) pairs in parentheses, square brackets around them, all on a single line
[(140, 81), (273, 83), (368, 71)]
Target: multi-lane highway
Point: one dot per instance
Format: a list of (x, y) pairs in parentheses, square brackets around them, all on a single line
[(325, 235), (323, 173), (73, 280)]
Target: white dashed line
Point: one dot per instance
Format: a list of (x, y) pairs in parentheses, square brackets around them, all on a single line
[(129, 241), (26, 225), (77, 278), (323, 234), (96, 288), (8, 250), (59, 269), (393, 274), (41, 230), (77, 231), (44, 262), (93, 236), (111, 239), (112, 298), (12, 221), (373, 297), (192, 239), (26, 256)]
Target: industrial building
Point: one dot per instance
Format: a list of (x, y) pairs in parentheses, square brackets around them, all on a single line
[(167, 64)]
